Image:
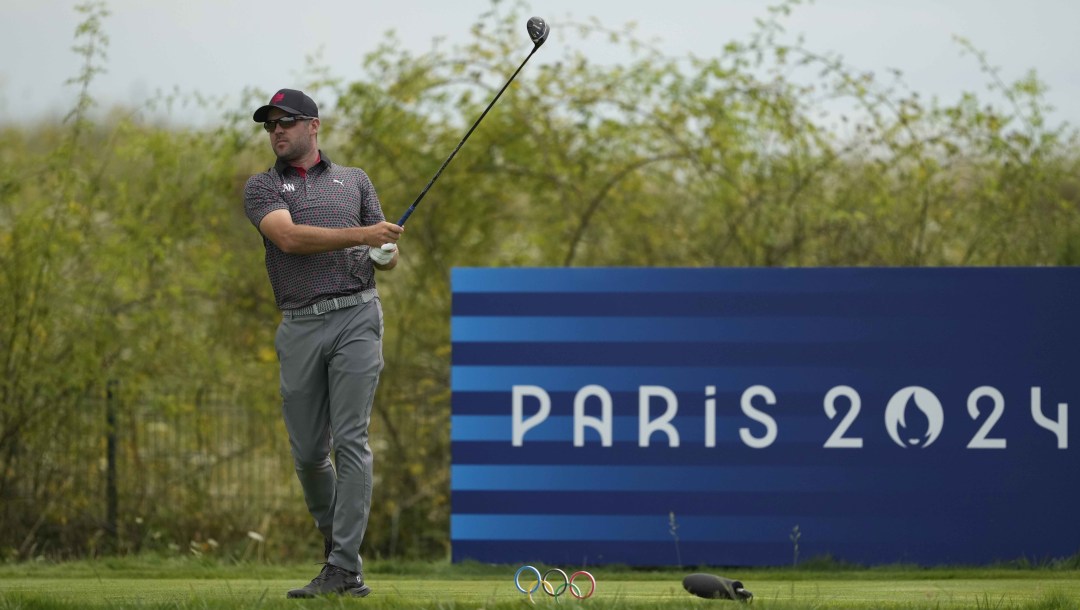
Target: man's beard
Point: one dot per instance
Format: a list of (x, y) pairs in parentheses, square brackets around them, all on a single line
[(293, 152)]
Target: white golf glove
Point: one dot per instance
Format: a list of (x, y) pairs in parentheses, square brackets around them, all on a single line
[(383, 255)]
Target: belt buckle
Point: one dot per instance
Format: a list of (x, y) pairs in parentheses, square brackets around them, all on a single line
[(327, 306)]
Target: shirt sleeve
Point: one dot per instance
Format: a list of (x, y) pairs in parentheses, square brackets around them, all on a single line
[(261, 197), (370, 208)]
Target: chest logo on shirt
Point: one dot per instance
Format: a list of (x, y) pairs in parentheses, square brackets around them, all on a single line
[(342, 183), (288, 187)]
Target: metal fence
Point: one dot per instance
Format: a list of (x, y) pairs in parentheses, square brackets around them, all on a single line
[(121, 473)]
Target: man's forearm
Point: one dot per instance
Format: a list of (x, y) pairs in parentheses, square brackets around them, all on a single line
[(293, 238), (307, 239)]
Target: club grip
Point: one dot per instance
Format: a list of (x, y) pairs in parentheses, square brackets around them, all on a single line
[(404, 217)]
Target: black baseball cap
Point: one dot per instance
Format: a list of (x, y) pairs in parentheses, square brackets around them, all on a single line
[(291, 101)]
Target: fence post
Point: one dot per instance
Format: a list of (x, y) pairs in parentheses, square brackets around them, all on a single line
[(112, 530)]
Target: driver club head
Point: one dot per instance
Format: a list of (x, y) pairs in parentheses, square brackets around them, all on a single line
[(538, 31)]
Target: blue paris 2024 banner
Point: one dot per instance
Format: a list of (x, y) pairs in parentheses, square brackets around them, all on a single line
[(764, 416)]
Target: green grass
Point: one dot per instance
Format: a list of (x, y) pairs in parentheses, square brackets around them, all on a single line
[(183, 583)]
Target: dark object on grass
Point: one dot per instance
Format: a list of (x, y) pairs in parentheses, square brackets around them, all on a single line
[(710, 586)]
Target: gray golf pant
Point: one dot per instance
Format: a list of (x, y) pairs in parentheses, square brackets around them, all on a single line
[(330, 365)]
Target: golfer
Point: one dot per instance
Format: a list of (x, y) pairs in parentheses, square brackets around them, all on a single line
[(325, 237)]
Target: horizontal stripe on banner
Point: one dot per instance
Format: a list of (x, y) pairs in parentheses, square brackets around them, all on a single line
[(1031, 455), (901, 280), (654, 528), (572, 555), (787, 330), (664, 478), (614, 379), (575, 554), (989, 355), (1039, 478), (715, 503), (898, 477), (691, 429), (962, 305)]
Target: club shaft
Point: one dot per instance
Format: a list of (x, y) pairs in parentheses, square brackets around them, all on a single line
[(412, 207)]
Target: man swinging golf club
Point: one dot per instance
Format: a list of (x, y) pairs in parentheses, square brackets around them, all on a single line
[(325, 236)]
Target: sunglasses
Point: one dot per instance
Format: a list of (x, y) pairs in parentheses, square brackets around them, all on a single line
[(286, 122)]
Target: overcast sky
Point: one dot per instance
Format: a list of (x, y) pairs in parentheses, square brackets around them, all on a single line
[(219, 47)]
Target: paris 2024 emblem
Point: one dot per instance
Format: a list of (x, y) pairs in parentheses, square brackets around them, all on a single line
[(925, 401)]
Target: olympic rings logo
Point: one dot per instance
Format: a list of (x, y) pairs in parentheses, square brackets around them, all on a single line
[(550, 588)]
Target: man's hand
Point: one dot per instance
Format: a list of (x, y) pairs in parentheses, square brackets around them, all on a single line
[(382, 256), (383, 233)]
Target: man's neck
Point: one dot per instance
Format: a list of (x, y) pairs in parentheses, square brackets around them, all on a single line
[(307, 162)]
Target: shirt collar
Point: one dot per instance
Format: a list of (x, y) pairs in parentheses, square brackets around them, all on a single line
[(324, 161)]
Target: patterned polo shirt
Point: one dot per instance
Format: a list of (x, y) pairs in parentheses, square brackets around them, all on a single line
[(326, 195)]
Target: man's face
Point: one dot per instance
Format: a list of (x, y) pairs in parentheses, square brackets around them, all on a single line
[(294, 142)]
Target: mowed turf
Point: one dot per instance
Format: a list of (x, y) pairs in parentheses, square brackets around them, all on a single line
[(440, 588)]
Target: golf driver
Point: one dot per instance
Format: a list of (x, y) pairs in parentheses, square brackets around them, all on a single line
[(538, 31)]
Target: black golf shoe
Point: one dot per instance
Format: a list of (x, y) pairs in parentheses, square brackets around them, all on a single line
[(333, 580)]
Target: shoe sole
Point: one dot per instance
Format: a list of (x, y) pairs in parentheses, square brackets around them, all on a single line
[(361, 591)]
